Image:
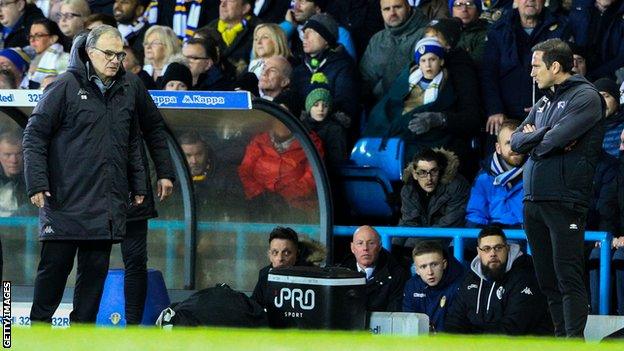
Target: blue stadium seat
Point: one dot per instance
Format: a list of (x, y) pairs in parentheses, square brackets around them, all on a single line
[(386, 155), (367, 191)]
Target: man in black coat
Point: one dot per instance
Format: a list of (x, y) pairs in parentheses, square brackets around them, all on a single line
[(385, 278), (16, 16), (563, 138), (500, 293), (82, 157)]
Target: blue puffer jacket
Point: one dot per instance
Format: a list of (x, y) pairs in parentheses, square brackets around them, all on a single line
[(506, 80), (491, 203), (434, 300), (610, 46)]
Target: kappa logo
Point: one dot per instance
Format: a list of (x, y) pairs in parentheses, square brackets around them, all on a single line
[(420, 295), (48, 229), (573, 226), (472, 286), (527, 291), (499, 292)]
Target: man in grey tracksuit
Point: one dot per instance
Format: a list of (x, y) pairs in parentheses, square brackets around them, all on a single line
[(562, 136)]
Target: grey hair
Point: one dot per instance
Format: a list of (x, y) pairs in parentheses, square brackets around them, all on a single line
[(100, 30)]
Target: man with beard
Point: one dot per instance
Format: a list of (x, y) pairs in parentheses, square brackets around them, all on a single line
[(128, 15), (496, 195), (500, 294)]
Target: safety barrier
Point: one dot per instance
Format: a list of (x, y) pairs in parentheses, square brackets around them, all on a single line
[(241, 230)]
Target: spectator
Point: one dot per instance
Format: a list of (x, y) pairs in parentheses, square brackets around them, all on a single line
[(177, 77), (203, 58), (433, 194), (427, 106), (272, 11), (129, 13), (269, 40), (580, 61), (474, 28), (218, 192), (276, 167), (16, 61), (16, 17), (434, 9), (134, 63), (402, 24), (235, 28), (598, 27), (500, 294), (97, 19), (49, 8), (297, 17), (506, 82), (327, 61), (7, 78), (496, 196), (434, 287), (275, 78), (160, 44), (330, 127), (614, 123), (184, 17), (12, 187), (45, 38), (385, 278), (72, 17)]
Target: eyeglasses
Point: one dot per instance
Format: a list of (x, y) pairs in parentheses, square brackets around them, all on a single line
[(67, 15), (110, 55), (467, 4), (153, 43), (496, 248), (6, 3), (421, 173), (37, 36), (195, 58)]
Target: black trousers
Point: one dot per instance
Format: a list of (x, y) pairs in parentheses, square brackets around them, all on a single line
[(556, 233), (134, 253), (57, 261)]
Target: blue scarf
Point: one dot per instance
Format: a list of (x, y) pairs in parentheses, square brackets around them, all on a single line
[(504, 177)]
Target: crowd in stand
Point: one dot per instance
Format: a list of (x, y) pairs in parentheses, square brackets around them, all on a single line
[(438, 74)]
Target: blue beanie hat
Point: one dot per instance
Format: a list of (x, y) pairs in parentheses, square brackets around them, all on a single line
[(18, 57), (476, 2), (428, 45)]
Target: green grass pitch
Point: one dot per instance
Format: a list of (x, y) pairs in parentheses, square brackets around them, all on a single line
[(211, 339)]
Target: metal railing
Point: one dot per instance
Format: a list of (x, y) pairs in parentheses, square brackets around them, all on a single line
[(459, 234)]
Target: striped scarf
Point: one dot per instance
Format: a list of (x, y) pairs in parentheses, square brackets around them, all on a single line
[(185, 17), (431, 93), (504, 177)]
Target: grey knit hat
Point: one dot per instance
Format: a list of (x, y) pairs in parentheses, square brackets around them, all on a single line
[(325, 26)]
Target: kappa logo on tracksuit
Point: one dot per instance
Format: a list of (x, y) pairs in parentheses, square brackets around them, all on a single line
[(48, 229)]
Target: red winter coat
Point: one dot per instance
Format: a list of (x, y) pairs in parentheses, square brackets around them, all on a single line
[(288, 174)]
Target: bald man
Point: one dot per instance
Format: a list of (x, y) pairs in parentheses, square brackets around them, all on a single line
[(275, 77), (385, 278)]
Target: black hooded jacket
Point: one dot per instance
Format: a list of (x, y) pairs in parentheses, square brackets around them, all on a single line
[(565, 148), (512, 305), (18, 38), (83, 147)]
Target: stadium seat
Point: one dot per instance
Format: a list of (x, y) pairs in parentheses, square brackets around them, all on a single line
[(385, 154), (367, 191)]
